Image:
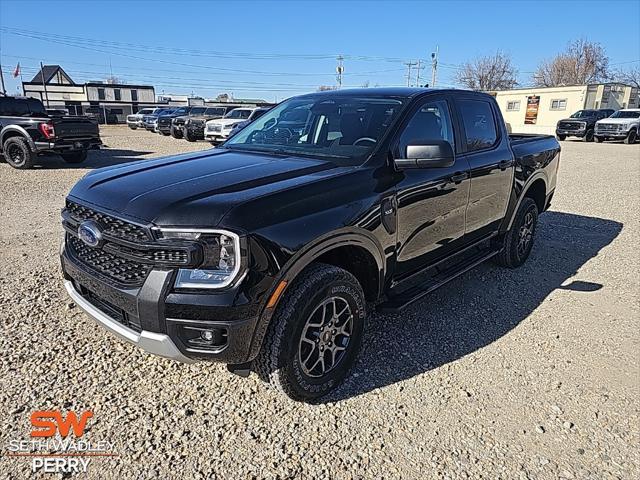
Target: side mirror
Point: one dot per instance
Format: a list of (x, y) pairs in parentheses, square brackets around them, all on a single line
[(427, 154)]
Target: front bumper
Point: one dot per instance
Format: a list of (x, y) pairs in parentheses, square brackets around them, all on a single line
[(155, 317), (612, 135), (155, 343)]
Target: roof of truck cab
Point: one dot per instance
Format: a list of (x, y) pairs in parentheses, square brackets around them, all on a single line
[(391, 92)]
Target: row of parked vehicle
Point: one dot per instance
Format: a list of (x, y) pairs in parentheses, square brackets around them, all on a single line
[(212, 123), (600, 125)]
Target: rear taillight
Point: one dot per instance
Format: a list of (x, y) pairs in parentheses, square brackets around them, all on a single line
[(47, 130)]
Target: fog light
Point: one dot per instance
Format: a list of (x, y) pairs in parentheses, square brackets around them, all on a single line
[(206, 335), (203, 338)]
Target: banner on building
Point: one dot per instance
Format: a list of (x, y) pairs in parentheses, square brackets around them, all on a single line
[(531, 115)]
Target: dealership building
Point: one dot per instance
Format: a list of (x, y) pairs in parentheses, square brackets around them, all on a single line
[(537, 110)]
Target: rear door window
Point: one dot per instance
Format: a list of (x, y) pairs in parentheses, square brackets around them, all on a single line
[(479, 124)]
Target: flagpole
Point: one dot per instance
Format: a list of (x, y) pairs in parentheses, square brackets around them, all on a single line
[(4, 91)]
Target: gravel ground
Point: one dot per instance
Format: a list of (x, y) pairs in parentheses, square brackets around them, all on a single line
[(524, 374)]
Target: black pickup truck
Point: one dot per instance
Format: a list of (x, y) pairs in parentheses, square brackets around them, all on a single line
[(581, 124), (26, 130), (267, 252)]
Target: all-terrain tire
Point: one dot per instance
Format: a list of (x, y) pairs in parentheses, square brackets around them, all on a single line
[(631, 137), (598, 139), (562, 137), (518, 241), (279, 362), (17, 153)]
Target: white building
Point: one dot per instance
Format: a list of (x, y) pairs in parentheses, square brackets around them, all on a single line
[(538, 110)]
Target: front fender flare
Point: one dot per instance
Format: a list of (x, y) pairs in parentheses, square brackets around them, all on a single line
[(304, 257)]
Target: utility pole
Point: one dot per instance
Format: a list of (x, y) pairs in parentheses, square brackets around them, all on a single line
[(418, 68), (339, 70), (409, 66), (44, 84), (434, 66)]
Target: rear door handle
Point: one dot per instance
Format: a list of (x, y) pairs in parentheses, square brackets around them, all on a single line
[(504, 164), (458, 177)]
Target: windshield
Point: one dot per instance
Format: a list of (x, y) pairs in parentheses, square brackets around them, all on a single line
[(584, 114), (197, 110), (342, 128), (215, 111), (181, 111), (238, 114), (627, 114)]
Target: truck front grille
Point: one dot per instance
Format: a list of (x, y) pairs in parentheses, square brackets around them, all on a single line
[(607, 127), (571, 125), (115, 267), (113, 226)]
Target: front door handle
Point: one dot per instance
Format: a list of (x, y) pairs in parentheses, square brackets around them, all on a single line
[(458, 177), (504, 164)]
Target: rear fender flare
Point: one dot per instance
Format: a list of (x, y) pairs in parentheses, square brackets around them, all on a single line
[(20, 130), (530, 181)]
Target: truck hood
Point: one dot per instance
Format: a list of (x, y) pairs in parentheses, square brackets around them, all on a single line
[(226, 121), (618, 121), (194, 190)]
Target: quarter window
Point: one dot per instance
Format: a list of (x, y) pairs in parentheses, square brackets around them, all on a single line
[(479, 125), (513, 106), (430, 122), (559, 104)]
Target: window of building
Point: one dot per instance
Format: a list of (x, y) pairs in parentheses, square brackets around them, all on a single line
[(513, 106), (134, 95), (101, 95), (559, 104), (479, 124), (116, 94)]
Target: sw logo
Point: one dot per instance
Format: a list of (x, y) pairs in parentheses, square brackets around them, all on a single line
[(50, 421), (45, 424)]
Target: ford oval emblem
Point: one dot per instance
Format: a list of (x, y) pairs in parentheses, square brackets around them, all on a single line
[(89, 232)]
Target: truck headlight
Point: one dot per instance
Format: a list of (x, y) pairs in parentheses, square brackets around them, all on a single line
[(222, 258)]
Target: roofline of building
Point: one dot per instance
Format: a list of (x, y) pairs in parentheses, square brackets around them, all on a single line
[(566, 86)]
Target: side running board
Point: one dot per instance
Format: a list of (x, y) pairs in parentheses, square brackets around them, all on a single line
[(396, 303)]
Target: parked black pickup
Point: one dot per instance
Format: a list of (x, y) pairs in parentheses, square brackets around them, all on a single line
[(26, 130), (267, 252)]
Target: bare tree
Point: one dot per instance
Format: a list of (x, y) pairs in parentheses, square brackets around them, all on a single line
[(583, 62), (492, 72), (630, 76)]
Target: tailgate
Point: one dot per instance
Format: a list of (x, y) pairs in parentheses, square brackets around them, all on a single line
[(75, 127)]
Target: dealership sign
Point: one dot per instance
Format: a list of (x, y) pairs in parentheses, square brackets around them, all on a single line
[(531, 114), (56, 444)]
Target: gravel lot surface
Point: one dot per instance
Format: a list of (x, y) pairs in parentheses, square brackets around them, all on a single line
[(524, 374)]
